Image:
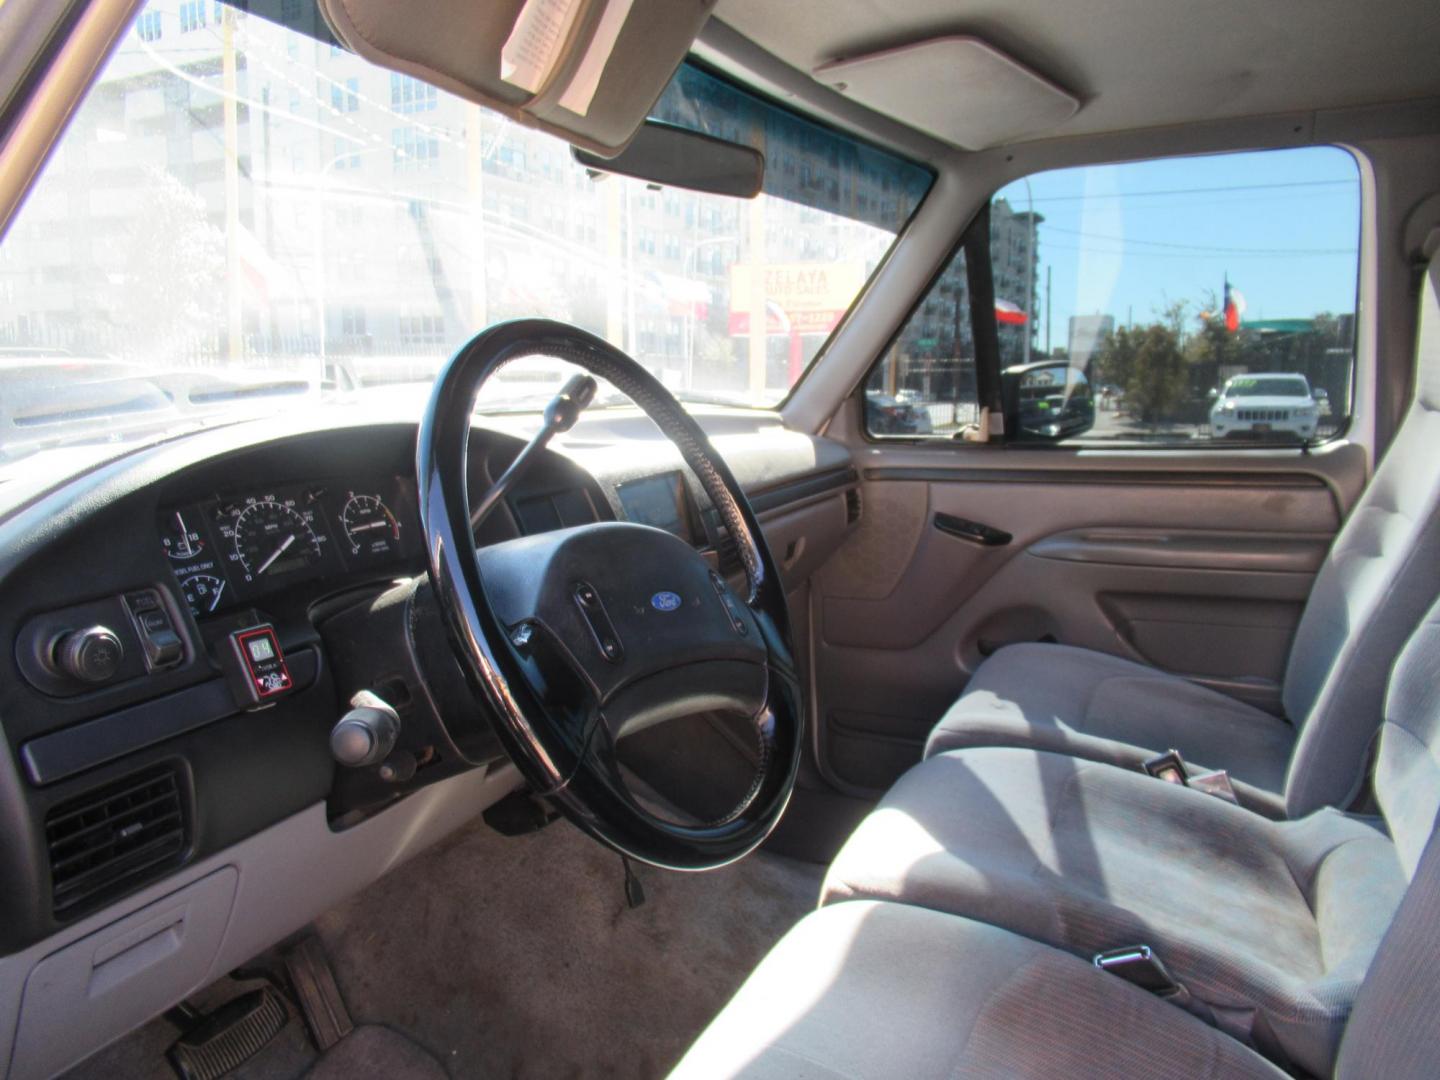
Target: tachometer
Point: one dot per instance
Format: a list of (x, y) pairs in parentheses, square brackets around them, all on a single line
[(272, 538), (370, 527)]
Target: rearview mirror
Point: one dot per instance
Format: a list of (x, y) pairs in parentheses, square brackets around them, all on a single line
[(678, 157), (1047, 401)]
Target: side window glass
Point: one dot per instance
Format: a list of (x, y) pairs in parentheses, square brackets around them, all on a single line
[(1207, 300), (925, 382)]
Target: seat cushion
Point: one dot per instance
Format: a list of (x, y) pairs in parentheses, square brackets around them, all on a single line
[(872, 990), (1093, 705), (1251, 914)]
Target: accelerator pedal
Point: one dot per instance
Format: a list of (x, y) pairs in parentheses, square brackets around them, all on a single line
[(228, 1037), (319, 996)]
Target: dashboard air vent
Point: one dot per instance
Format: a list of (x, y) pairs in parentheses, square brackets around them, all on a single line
[(109, 839), (852, 506)]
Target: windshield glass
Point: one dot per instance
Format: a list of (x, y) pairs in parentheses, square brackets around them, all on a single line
[(243, 217), (1268, 387)]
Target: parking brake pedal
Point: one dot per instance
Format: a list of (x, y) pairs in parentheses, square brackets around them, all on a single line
[(228, 1037), (320, 1000)]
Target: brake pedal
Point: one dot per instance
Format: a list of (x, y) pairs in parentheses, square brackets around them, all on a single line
[(230, 1036), (319, 996)]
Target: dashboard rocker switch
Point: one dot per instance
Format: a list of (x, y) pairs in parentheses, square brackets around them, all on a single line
[(255, 666)]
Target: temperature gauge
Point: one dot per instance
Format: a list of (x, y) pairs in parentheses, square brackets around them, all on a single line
[(179, 539), (370, 528)]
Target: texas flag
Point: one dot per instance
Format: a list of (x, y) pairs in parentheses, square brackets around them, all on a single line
[(1234, 307)]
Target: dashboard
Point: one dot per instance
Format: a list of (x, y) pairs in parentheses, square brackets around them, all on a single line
[(134, 764)]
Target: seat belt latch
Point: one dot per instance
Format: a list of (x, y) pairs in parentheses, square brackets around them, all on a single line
[(1170, 767), (1139, 965)]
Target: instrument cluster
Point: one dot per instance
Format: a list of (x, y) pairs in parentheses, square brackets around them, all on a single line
[(228, 550)]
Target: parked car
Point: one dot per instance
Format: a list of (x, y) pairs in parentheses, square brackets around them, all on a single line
[(893, 416), (1266, 405)]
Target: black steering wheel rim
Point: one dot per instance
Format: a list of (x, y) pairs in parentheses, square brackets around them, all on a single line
[(579, 776)]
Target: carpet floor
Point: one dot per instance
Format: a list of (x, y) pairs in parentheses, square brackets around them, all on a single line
[(519, 957)]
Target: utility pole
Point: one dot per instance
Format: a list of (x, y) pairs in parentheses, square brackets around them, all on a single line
[(1048, 269)]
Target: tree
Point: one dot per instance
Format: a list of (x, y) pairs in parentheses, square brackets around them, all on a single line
[(1148, 365)]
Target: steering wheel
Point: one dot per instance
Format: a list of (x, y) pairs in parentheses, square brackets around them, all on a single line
[(578, 637)]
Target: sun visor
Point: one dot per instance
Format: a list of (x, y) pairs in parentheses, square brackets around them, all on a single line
[(588, 71), (960, 89)]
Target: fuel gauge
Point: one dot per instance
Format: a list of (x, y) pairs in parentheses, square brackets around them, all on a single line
[(202, 592)]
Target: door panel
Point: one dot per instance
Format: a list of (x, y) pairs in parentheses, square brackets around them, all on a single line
[(1200, 571)]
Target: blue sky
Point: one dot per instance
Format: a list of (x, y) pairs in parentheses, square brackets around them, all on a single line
[(1125, 239)]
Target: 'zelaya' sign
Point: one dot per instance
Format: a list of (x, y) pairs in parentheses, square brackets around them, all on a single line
[(800, 298)]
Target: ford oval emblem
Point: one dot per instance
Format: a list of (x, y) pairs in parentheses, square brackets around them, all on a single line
[(666, 601)]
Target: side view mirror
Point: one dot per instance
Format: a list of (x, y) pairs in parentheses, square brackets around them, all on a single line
[(1046, 401), (1212, 393), (678, 157)]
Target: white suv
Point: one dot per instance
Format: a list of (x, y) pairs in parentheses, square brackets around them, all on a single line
[(1270, 403)]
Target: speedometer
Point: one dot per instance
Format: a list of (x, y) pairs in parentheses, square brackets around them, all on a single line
[(272, 538)]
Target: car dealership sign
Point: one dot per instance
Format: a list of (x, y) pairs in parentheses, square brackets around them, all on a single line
[(800, 298)]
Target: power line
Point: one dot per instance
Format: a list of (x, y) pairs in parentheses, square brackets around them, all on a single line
[(1221, 250), (1197, 190)]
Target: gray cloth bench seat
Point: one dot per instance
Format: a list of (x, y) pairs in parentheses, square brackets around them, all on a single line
[(1269, 921), (1336, 913)]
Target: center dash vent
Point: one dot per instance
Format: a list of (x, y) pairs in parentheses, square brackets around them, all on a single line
[(108, 840)]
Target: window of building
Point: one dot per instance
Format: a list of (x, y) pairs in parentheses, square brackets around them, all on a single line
[(427, 329), (345, 154), (352, 320), (148, 27), (345, 98), (193, 15), (1191, 302), (414, 148), (410, 95)]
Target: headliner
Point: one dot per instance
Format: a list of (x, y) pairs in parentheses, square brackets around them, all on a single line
[(1142, 63)]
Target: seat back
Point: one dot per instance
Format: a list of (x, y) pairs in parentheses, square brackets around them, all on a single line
[(1394, 1028), (1380, 576)]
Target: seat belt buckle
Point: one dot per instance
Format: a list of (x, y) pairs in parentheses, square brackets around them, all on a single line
[(1138, 964), (1170, 767)]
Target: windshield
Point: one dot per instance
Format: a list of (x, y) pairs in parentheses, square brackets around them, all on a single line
[(1267, 387), (243, 217)]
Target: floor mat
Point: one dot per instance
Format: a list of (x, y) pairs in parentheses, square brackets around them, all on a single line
[(518, 957), (373, 1052), (141, 1055)]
